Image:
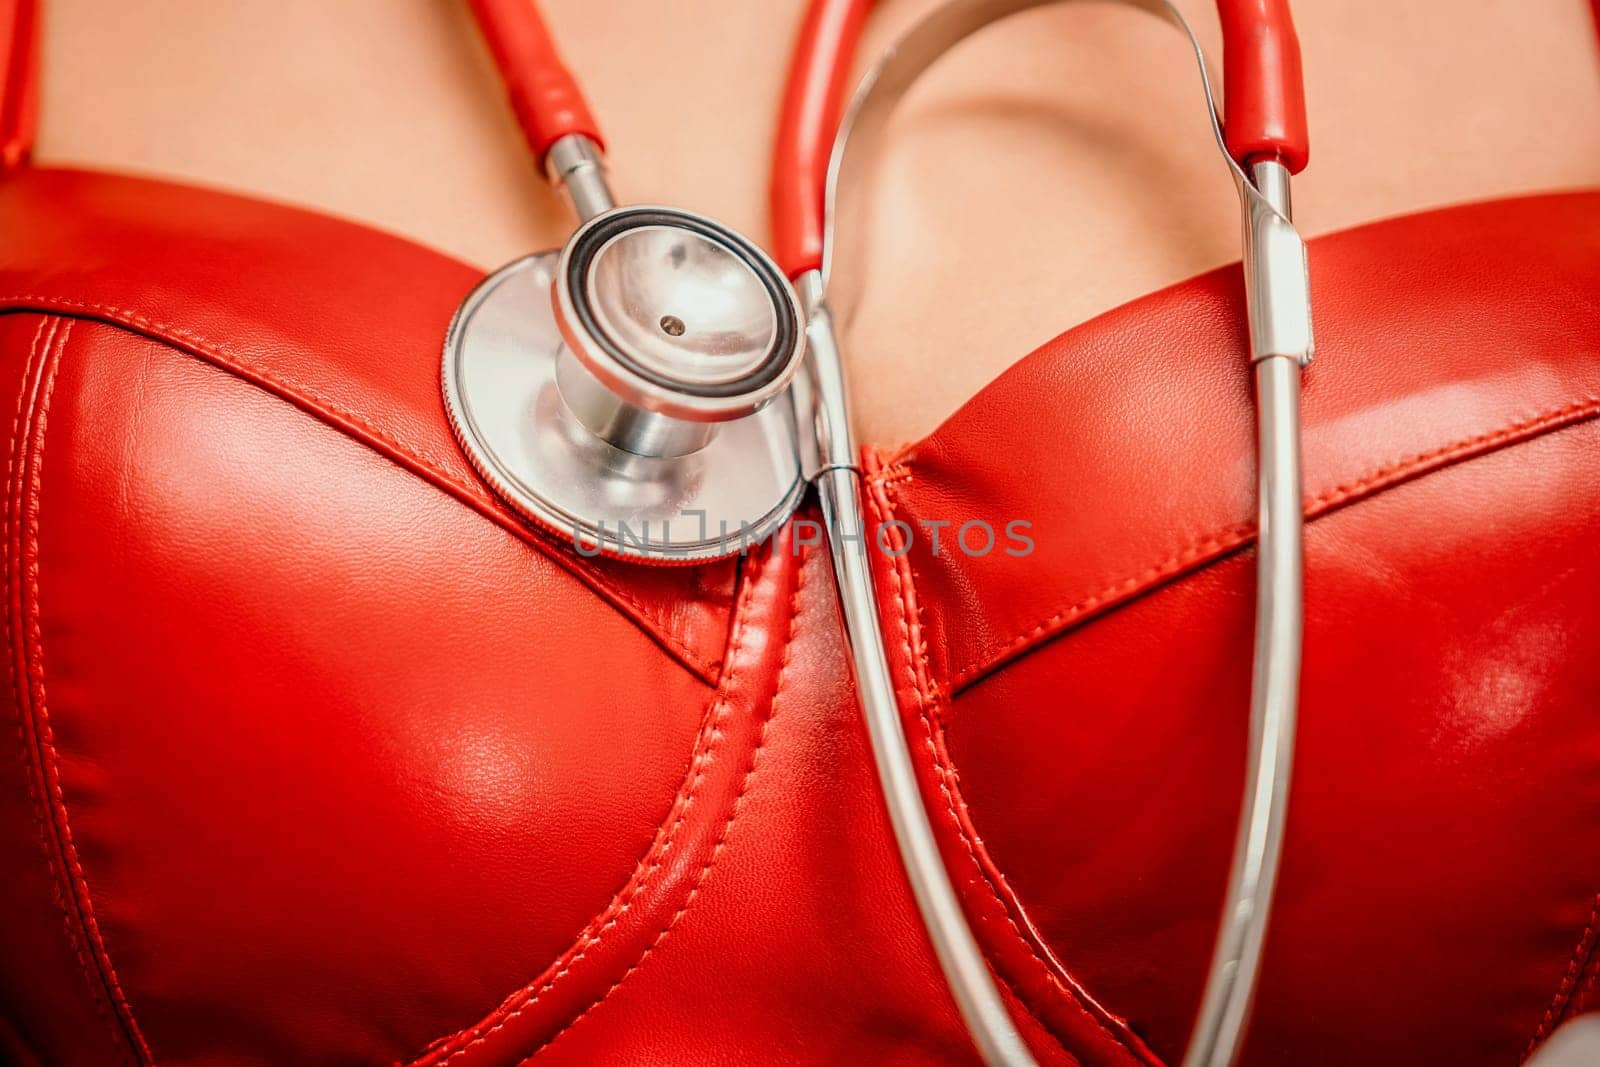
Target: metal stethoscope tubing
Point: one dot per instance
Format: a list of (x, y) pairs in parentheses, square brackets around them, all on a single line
[(626, 414), (1279, 311)]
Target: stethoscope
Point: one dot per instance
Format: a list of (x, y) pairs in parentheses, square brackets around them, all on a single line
[(662, 390)]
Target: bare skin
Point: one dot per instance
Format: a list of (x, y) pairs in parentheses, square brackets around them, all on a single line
[(1051, 169)]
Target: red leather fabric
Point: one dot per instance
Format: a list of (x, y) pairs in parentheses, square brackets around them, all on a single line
[(271, 295), (321, 757), (1448, 428)]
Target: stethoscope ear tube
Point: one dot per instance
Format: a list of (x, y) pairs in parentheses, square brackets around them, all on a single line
[(544, 95), (1271, 140), (1263, 93), (19, 82), (817, 86)]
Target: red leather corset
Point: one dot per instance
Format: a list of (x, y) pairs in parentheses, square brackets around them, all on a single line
[(322, 756)]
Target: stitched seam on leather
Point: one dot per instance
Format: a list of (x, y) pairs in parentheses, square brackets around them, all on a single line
[(903, 580), (15, 648), (899, 472), (73, 899), (950, 789), (653, 860), (1384, 476), (16, 671), (41, 709), (331, 411), (727, 827), (1569, 980)]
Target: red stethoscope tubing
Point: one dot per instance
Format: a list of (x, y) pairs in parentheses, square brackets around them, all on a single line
[(1263, 91), (19, 81), (819, 80), (544, 95), (1264, 99), (1264, 112)]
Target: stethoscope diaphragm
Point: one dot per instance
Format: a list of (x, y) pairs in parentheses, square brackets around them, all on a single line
[(630, 390)]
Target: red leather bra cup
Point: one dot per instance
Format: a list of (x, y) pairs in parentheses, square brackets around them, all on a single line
[(320, 756)]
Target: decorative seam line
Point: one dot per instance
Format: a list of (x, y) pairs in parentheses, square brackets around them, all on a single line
[(916, 654), (24, 566), (360, 428), (1569, 980), (16, 670), (705, 752), (727, 827), (1226, 540)]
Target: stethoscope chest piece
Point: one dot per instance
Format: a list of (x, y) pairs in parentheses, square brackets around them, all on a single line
[(630, 391)]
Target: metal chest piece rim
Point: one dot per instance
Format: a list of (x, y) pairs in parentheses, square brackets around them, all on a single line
[(631, 391)]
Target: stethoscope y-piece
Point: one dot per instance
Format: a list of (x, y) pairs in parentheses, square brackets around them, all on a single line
[(640, 391), (1279, 314)]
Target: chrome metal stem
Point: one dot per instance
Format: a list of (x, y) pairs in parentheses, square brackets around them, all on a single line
[(830, 396), (1275, 683), (621, 424), (576, 165), (1279, 313), (839, 489)]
